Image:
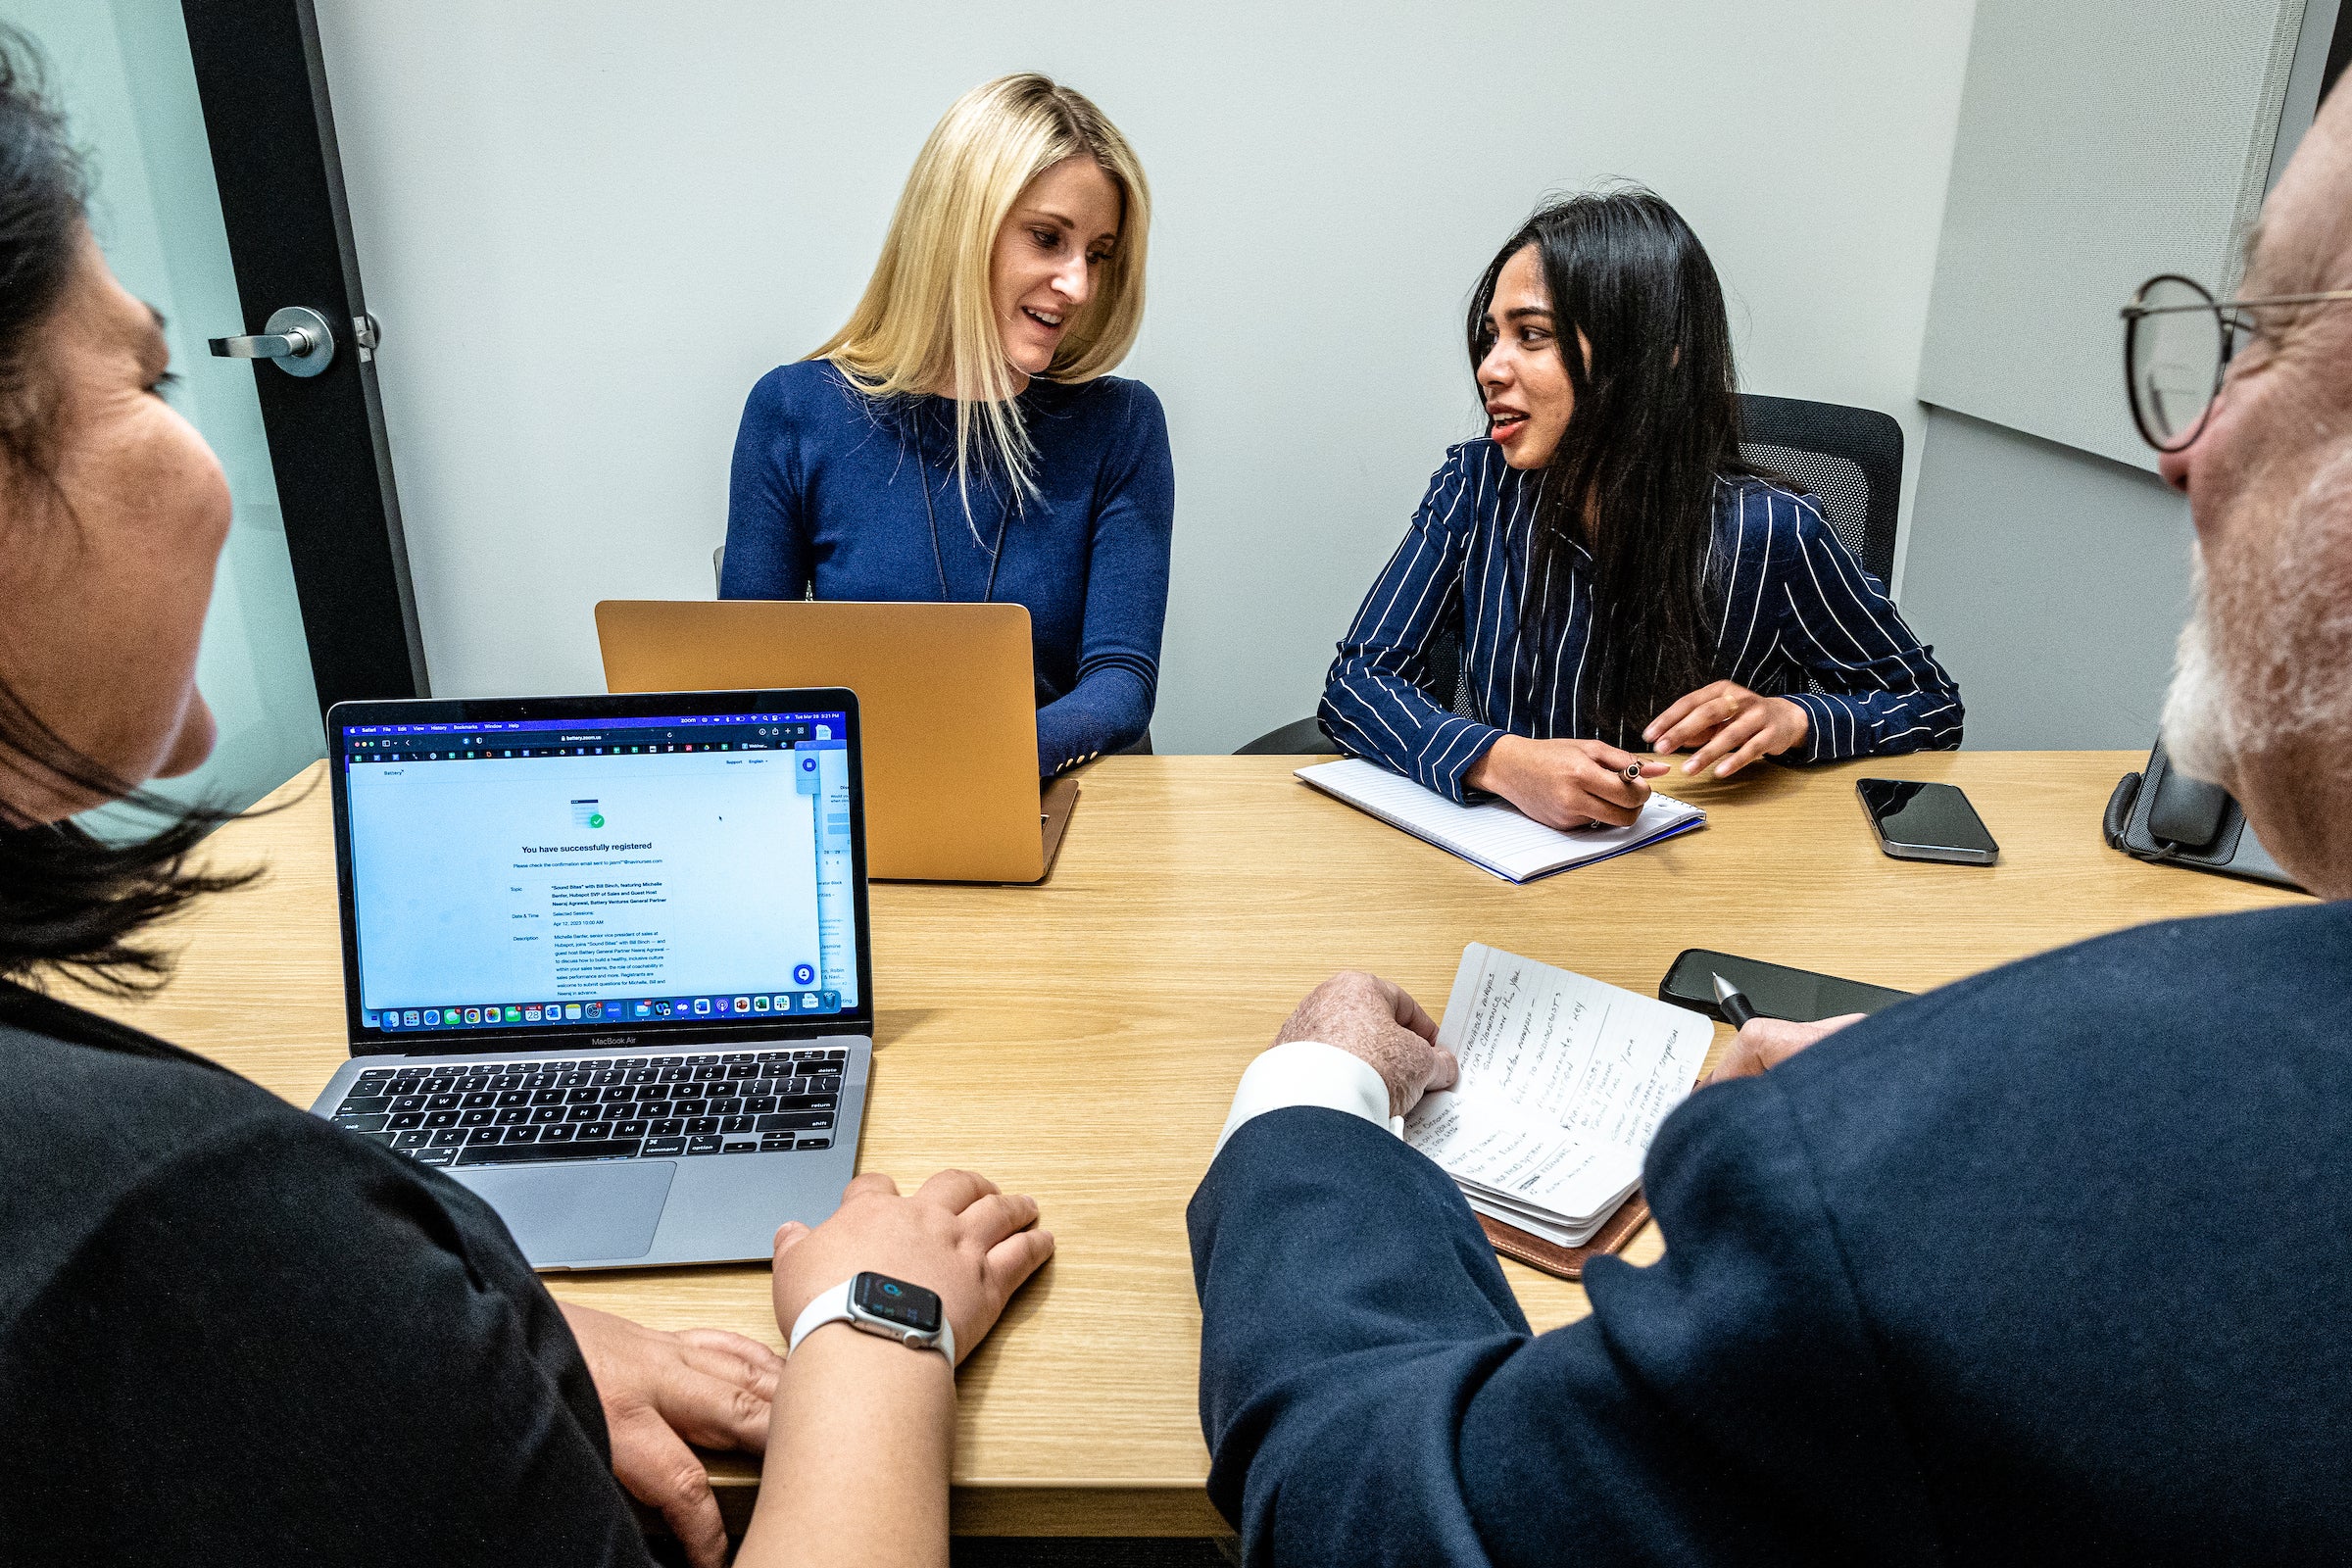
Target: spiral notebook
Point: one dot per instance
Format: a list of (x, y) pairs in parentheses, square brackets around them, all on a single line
[(1564, 1081), (1494, 835)]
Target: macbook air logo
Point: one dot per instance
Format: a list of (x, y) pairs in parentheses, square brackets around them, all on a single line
[(611, 1040)]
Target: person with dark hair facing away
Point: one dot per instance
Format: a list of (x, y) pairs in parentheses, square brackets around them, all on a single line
[(2051, 1265), (1613, 571), (229, 1331)]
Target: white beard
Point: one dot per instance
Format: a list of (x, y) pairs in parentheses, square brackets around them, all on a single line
[(2262, 665), (2199, 723)]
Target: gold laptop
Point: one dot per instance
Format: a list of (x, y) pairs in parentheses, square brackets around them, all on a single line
[(947, 693)]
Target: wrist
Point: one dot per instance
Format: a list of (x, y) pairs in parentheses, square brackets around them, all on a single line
[(839, 1348), (882, 1306), (1492, 765), (861, 1439)]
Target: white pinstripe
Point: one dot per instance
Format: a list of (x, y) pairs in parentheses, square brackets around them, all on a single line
[(1763, 573)]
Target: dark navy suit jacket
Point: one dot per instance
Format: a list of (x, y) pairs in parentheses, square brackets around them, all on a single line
[(2051, 1265)]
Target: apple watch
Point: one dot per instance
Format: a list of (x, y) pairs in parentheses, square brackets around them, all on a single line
[(876, 1304)]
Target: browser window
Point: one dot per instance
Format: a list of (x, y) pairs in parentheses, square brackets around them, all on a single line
[(634, 871)]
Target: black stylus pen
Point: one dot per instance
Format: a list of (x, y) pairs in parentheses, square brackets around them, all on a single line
[(1733, 1002)]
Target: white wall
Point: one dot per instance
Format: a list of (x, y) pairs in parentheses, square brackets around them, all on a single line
[(2055, 582), (589, 225), (2146, 150), (2054, 568)]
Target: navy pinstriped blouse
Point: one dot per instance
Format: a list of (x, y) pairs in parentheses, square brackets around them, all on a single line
[(1787, 599)]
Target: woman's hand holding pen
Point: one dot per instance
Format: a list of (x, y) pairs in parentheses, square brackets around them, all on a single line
[(1730, 725), (1566, 784)]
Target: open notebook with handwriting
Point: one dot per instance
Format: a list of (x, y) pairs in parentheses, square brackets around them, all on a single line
[(1564, 1080), (1493, 834)]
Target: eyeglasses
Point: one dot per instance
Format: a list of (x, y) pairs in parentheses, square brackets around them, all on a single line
[(2177, 339)]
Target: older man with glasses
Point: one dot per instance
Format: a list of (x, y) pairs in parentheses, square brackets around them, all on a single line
[(2051, 1265)]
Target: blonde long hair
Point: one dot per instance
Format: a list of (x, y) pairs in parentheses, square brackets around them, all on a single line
[(927, 319)]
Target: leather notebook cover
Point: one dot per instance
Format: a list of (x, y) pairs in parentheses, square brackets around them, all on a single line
[(1568, 1262)]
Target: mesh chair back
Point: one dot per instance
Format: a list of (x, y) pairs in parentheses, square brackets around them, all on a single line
[(1850, 459), (1454, 677)]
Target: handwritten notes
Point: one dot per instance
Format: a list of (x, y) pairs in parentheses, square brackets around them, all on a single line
[(1564, 1082), (1517, 1158)]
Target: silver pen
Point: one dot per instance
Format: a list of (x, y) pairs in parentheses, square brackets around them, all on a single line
[(1738, 1011)]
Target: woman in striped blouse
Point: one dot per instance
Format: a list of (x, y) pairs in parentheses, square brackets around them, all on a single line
[(1615, 572)]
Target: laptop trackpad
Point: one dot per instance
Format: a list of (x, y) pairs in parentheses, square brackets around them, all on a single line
[(577, 1213)]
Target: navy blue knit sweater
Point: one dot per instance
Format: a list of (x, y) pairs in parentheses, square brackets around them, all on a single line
[(827, 495)]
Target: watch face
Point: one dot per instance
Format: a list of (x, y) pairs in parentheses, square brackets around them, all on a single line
[(897, 1301)]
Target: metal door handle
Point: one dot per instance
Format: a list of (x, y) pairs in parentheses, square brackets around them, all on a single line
[(290, 345), (297, 338)]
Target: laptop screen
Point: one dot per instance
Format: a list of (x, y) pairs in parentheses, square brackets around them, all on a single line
[(657, 871)]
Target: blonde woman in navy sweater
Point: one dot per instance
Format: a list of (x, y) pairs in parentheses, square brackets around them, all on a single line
[(1616, 574), (959, 438)]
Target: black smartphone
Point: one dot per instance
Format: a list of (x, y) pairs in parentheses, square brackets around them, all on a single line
[(1773, 989), (1925, 821)]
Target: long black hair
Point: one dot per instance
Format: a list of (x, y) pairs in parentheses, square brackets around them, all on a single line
[(71, 902), (1656, 420)]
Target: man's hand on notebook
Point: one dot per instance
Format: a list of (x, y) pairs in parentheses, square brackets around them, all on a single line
[(662, 1391), (1766, 1043), (1566, 784), (1373, 1019)]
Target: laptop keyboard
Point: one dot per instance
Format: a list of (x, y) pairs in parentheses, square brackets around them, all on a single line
[(648, 1108)]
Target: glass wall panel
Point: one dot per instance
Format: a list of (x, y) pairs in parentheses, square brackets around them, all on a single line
[(121, 70)]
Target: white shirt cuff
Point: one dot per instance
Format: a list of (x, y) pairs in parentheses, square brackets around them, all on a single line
[(1307, 1072)]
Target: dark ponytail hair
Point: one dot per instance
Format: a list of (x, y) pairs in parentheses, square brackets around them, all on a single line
[(69, 900), (1656, 420)]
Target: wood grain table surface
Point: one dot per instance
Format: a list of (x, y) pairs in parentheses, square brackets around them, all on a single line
[(1080, 1040)]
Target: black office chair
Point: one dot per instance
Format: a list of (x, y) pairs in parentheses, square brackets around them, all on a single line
[(1849, 460)]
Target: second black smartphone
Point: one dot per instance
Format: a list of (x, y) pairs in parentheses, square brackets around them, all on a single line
[(1918, 821), (1773, 989)]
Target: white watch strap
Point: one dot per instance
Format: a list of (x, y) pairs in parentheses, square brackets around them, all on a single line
[(833, 1306), (830, 1307)]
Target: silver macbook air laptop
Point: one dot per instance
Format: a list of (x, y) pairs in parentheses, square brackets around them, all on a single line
[(605, 960)]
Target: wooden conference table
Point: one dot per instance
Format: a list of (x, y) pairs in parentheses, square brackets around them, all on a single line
[(1080, 1040)]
